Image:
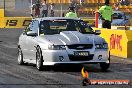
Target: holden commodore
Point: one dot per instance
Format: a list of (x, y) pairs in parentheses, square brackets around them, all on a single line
[(58, 40)]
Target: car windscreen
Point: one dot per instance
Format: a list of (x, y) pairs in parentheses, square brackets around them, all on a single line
[(57, 26)]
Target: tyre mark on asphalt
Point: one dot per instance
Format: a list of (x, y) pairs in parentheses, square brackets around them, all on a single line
[(9, 67), (96, 74), (31, 75), (8, 56), (19, 71)]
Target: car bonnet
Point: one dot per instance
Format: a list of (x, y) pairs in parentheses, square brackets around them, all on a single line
[(69, 37)]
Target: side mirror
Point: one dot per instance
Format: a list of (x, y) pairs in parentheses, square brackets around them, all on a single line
[(26, 29), (97, 32), (31, 33)]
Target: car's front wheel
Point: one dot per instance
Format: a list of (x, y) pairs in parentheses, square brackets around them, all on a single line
[(39, 59), (20, 57), (104, 66)]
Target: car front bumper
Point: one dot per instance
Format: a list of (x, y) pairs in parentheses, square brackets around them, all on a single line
[(52, 57)]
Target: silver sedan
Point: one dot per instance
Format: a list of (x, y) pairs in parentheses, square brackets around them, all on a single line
[(60, 40)]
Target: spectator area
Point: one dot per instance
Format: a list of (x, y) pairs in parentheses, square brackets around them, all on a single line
[(90, 6), (85, 1)]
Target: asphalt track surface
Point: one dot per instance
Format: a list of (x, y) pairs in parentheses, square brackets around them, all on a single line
[(13, 75)]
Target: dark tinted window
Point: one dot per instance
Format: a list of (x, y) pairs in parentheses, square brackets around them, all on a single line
[(34, 26), (57, 26)]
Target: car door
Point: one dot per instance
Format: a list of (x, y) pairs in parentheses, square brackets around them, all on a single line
[(30, 41)]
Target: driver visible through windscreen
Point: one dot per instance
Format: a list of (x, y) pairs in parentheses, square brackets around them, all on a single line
[(57, 26)]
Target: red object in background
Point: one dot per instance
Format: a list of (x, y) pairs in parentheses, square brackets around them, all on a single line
[(37, 12), (96, 19), (115, 42)]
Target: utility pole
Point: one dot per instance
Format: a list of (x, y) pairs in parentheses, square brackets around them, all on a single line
[(31, 7), (61, 7), (98, 4), (4, 7)]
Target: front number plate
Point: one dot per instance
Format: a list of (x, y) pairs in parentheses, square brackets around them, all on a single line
[(81, 53)]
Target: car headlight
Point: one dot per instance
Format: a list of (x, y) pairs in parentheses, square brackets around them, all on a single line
[(105, 46), (56, 47), (102, 46)]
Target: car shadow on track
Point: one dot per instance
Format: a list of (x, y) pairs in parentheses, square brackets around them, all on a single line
[(77, 68), (72, 68)]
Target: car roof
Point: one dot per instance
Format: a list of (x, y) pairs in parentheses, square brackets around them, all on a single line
[(54, 18)]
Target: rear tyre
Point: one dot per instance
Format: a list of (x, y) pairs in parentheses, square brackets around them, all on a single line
[(39, 59), (20, 57)]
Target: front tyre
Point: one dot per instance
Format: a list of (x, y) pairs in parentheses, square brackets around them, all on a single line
[(20, 57), (104, 66), (39, 59)]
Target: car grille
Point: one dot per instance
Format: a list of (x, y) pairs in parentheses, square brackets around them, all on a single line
[(80, 46), (81, 58)]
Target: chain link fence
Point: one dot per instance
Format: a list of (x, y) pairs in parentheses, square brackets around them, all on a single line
[(16, 7), (1, 4), (23, 7)]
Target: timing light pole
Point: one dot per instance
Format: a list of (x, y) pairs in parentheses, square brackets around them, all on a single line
[(61, 7), (31, 7), (4, 7), (98, 4)]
